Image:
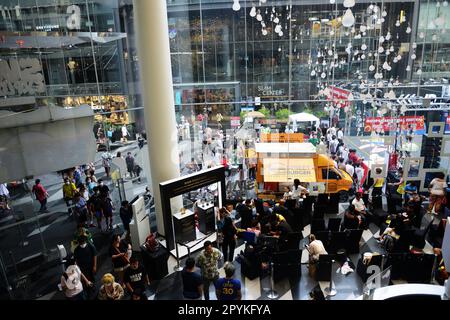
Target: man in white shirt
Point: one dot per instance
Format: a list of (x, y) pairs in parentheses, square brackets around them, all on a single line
[(350, 169), (359, 171), (358, 202), (315, 249), (334, 144), (340, 134)]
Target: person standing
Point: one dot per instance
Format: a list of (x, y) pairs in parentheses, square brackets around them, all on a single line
[(85, 256), (110, 289), (229, 232), (103, 188), (130, 164), (119, 256), (41, 195), (437, 193), (71, 282), (340, 134), (126, 216), (135, 277), (192, 281), (246, 213), (81, 209), (228, 288), (69, 189), (107, 210), (95, 204), (106, 164), (208, 263), (334, 145)]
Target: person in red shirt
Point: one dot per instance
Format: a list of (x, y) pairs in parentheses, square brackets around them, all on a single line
[(41, 195)]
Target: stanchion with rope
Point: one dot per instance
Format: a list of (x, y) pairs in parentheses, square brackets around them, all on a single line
[(272, 293), (177, 268)]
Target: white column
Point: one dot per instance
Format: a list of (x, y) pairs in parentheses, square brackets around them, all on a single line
[(159, 107)]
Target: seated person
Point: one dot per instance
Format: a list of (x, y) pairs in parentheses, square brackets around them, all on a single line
[(279, 227), (410, 190), (359, 204), (352, 219), (315, 248)]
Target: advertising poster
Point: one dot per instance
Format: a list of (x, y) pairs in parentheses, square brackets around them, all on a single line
[(286, 170), (417, 124)]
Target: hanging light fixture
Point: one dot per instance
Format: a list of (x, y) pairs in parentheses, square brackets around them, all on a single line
[(349, 19), (349, 3), (236, 5)]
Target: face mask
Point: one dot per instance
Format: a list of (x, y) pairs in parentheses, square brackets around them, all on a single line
[(101, 183), (83, 245), (67, 183)]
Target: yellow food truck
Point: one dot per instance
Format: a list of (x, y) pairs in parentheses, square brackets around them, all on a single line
[(278, 164)]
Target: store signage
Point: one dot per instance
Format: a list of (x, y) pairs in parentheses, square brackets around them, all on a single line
[(282, 137), (235, 121), (268, 91), (390, 123), (21, 77), (286, 170), (74, 19)]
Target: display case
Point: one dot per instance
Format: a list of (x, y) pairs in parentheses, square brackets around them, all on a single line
[(206, 220), (184, 226)]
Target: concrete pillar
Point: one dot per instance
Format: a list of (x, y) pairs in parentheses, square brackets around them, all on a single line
[(152, 37)]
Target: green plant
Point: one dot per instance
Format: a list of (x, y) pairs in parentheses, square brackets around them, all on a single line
[(282, 114), (265, 112)]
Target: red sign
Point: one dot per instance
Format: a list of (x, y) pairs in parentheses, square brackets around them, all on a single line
[(338, 96), (235, 121), (448, 121), (390, 123)]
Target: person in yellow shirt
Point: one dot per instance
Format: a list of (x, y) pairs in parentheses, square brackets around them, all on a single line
[(69, 189), (378, 184)]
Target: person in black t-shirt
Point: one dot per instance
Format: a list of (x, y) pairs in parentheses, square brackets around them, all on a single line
[(192, 281), (246, 213), (103, 188), (126, 215), (96, 206), (119, 252), (85, 256), (135, 276), (107, 209)]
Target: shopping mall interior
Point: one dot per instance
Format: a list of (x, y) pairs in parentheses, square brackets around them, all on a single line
[(224, 149)]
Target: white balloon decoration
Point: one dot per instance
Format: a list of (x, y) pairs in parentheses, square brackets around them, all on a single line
[(264, 32), (363, 56), (280, 33), (445, 3), (385, 65), (371, 67), (413, 56), (399, 57), (397, 23), (313, 73), (380, 49), (259, 17), (434, 37), (414, 45), (363, 28), (381, 39), (363, 47), (421, 35), (408, 30), (323, 75), (384, 13), (408, 68), (276, 20), (253, 12), (419, 71)]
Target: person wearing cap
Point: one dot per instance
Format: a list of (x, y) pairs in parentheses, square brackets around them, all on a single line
[(110, 289), (228, 288)]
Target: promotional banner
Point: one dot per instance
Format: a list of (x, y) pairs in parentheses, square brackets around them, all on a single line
[(340, 97), (417, 123), (235, 121), (286, 170)]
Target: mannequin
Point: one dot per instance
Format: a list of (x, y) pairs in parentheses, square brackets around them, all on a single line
[(72, 65)]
